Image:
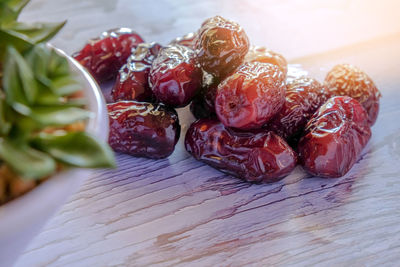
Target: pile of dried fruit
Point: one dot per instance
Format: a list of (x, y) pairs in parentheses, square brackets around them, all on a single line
[(253, 122)]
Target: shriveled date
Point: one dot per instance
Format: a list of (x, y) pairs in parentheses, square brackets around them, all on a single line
[(203, 105), (133, 79), (221, 46), (256, 156), (104, 56), (251, 96), (143, 129), (175, 77), (303, 97), (348, 80), (186, 40), (264, 55), (334, 137)]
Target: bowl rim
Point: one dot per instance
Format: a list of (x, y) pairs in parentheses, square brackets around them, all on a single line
[(97, 125)]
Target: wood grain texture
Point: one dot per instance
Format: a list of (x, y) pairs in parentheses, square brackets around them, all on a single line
[(180, 212)]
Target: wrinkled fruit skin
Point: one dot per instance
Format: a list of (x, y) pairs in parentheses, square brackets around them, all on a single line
[(295, 71), (175, 76), (221, 46), (251, 96), (132, 82), (104, 56), (334, 138), (143, 129), (256, 156), (203, 105), (302, 98), (187, 40), (347, 80), (264, 55)]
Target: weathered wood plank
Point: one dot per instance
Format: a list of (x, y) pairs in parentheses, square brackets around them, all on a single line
[(180, 212)]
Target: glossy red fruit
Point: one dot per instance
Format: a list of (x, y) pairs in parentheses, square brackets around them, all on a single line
[(348, 80), (187, 40), (175, 76), (256, 156), (203, 105), (104, 56), (221, 46), (302, 98), (334, 137), (264, 55), (251, 96), (295, 71), (143, 129), (132, 82)]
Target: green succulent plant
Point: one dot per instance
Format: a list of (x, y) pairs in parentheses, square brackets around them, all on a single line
[(35, 88)]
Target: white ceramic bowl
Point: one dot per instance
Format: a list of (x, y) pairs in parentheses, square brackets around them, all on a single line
[(22, 218)]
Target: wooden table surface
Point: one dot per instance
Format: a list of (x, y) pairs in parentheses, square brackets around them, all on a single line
[(180, 212)]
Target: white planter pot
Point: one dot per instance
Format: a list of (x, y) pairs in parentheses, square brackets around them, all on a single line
[(22, 218)]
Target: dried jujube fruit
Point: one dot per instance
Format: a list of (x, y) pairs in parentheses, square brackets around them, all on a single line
[(302, 98), (203, 105), (175, 76), (143, 129), (186, 40), (221, 46), (334, 137), (256, 156), (104, 56), (251, 96), (348, 80), (249, 102), (132, 82), (264, 55)]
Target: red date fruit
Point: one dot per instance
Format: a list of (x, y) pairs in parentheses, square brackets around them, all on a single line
[(348, 80), (303, 97), (132, 82), (251, 96), (295, 71), (264, 55), (256, 156), (203, 105), (186, 40), (104, 56), (221, 46), (175, 77), (334, 137), (143, 129)]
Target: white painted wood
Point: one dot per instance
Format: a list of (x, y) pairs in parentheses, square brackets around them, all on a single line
[(179, 212)]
